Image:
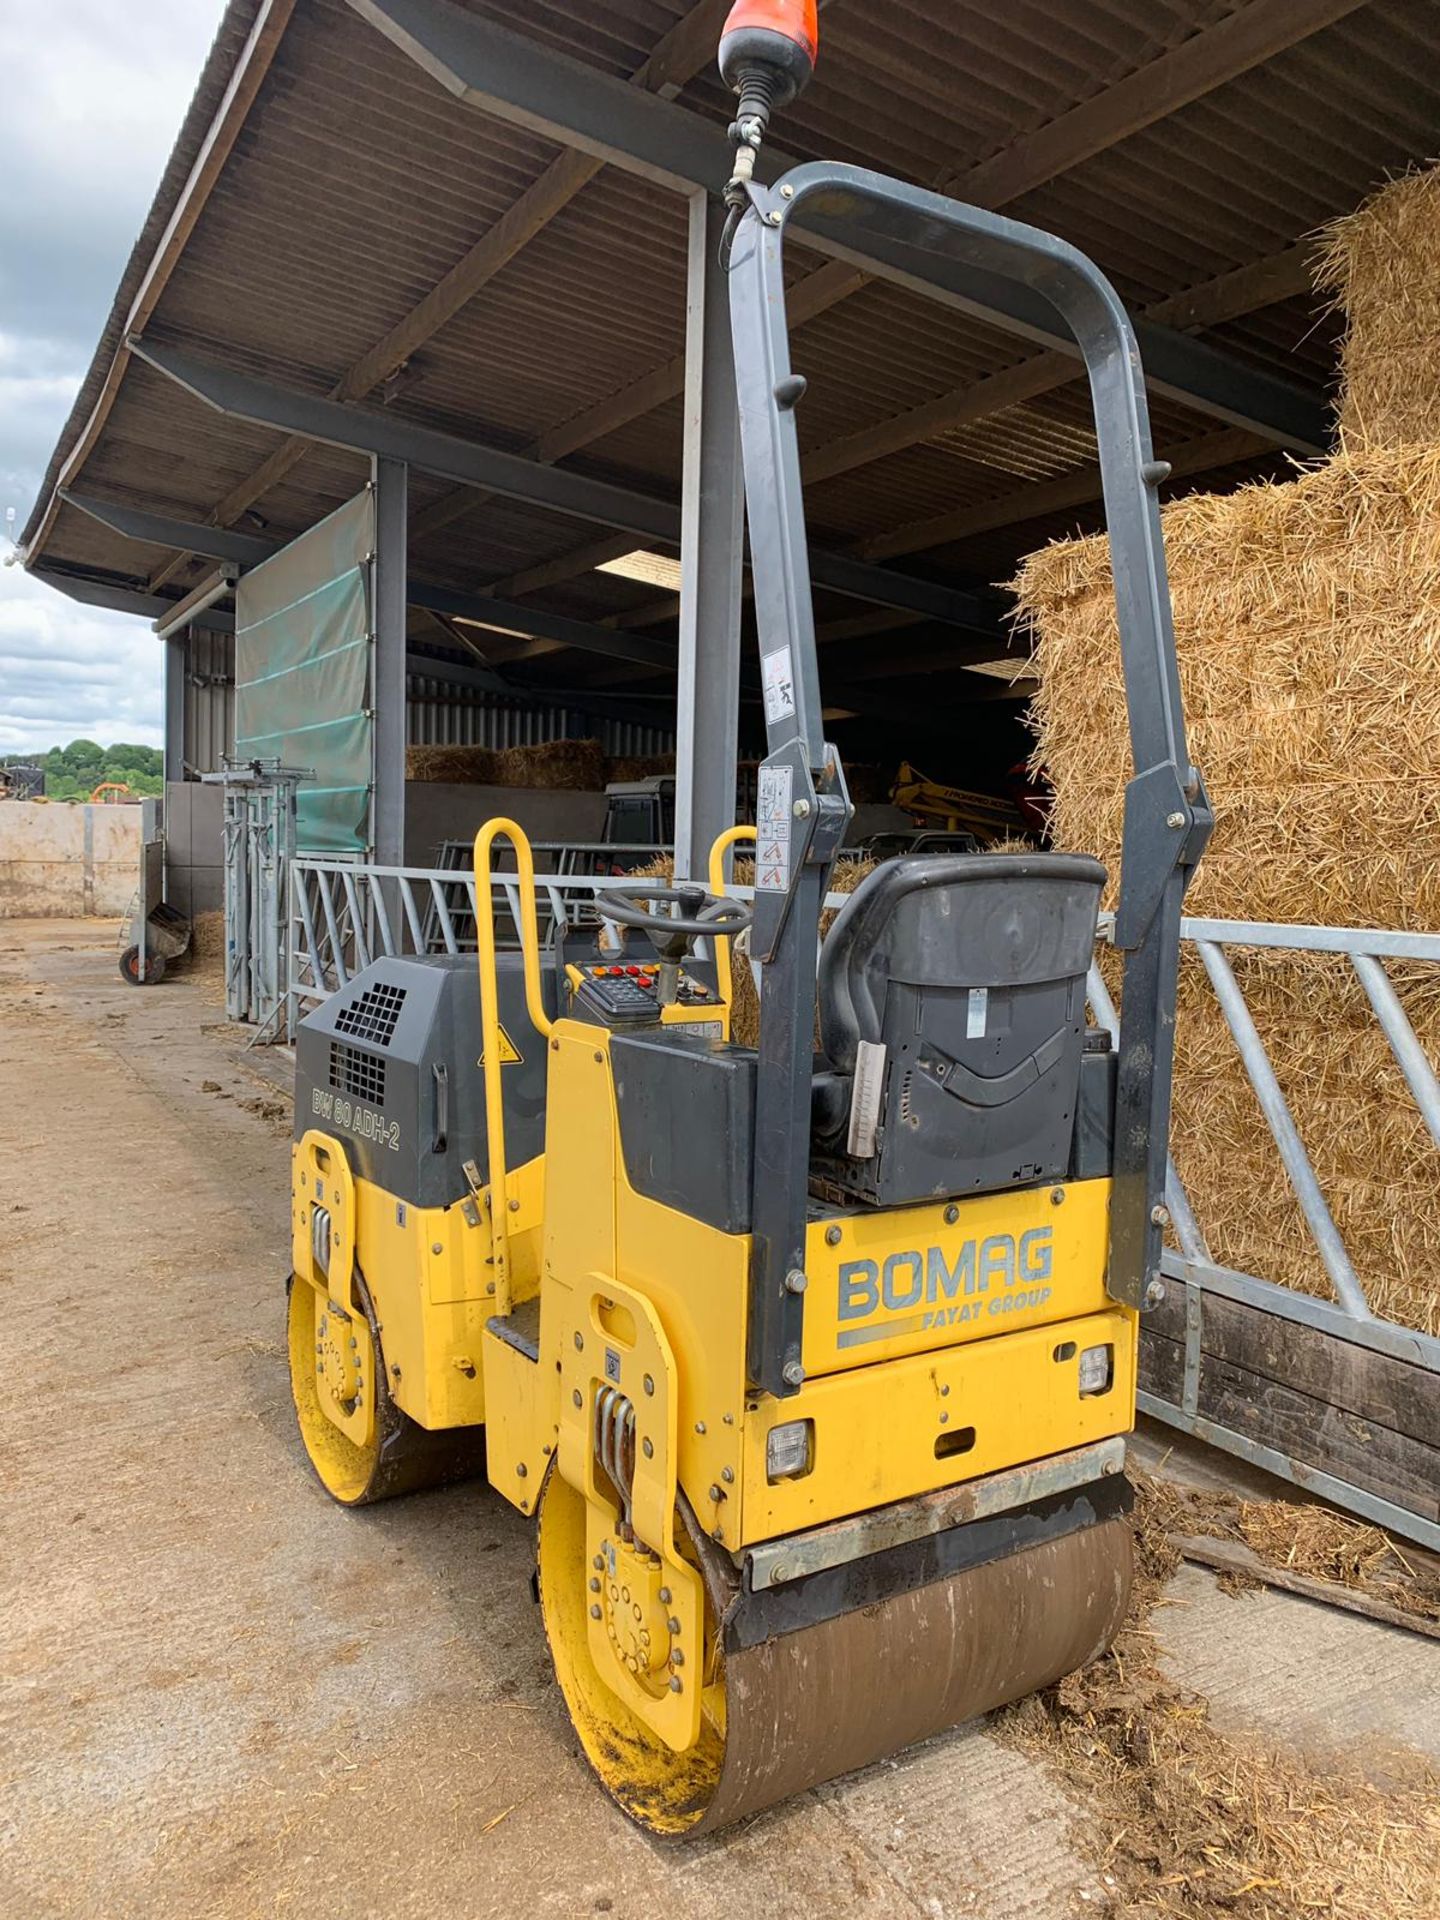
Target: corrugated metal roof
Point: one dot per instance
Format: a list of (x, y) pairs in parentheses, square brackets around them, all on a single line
[(357, 183)]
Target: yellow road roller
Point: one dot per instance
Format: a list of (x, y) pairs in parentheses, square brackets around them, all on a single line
[(813, 1362)]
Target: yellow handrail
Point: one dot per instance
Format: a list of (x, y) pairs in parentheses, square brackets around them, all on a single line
[(528, 926), (724, 981)]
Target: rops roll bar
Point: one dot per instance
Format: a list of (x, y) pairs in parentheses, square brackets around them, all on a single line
[(803, 808)]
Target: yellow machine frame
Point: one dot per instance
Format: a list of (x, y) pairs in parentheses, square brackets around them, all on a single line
[(941, 1341)]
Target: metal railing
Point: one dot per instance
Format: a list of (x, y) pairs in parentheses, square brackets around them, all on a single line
[(1350, 1314), (346, 914)]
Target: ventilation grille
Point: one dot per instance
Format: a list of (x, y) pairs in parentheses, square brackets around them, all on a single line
[(374, 1015), (361, 1075)]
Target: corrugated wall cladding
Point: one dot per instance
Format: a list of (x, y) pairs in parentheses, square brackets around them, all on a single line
[(209, 700), (438, 715)]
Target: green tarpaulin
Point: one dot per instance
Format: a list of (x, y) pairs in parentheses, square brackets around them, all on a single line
[(302, 673)]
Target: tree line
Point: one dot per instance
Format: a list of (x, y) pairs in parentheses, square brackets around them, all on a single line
[(74, 772)]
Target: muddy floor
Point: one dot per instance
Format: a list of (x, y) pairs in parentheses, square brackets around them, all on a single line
[(221, 1695)]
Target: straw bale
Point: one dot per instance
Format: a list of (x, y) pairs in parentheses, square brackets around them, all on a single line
[(207, 937), (464, 766), (638, 766), (1307, 618), (553, 765), (1381, 266)]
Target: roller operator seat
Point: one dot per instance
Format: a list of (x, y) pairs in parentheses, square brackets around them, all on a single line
[(952, 994)]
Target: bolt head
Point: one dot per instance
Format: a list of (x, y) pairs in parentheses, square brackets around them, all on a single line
[(801, 808), (575, 1396), (522, 1472), (1155, 1293), (673, 1624), (664, 1596), (1057, 1196), (787, 192), (594, 1583), (832, 1236), (437, 1247), (647, 1447), (952, 1214), (649, 1384), (579, 1343), (773, 220), (595, 1610), (792, 1373), (796, 1281), (778, 1573), (1175, 820), (1160, 1216), (677, 1685), (700, 1426)]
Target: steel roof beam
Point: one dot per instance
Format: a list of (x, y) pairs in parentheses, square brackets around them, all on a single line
[(680, 53), (360, 430), (518, 80), (116, 597), (219, 543)]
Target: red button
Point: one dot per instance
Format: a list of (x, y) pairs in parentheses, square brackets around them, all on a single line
[(634, 970)]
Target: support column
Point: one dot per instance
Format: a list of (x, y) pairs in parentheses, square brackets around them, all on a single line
[(387, 800), (712, 525)]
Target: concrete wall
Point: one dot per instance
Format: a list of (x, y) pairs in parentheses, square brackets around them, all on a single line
[(436, 810), (66, 860), (194, 852)]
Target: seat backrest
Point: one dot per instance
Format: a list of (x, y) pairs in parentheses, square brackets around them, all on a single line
[(969, 969)]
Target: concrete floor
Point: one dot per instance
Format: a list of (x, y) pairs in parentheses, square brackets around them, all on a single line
[(221, 1695)]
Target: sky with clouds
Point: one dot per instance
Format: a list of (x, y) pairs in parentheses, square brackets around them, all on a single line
[(91, 98)]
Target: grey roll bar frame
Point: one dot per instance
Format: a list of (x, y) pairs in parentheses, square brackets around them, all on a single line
[(1167, 814)]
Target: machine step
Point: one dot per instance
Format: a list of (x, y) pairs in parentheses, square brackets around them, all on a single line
[(520, 1328)]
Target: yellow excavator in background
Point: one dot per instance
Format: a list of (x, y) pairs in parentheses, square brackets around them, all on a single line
[(814, 1371)]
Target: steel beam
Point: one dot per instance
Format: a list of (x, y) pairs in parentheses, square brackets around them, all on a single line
[(712, 539), (119, 597), (388, 656), (526, 84), (160, 530), (218, 543), (533, 623), (388, 436)]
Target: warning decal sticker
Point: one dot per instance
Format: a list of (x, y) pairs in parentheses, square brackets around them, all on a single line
[(510, 1054), (772, 829)]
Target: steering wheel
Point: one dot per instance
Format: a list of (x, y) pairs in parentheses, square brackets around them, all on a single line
[(700, 912)]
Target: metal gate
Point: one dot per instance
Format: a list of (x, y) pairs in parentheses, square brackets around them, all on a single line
[(1326, 1393)]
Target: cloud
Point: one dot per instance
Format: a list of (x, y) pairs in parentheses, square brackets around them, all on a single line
[(94, 95), (68, 671)]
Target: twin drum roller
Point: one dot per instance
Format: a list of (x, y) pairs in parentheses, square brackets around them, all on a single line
[(814, 1371)]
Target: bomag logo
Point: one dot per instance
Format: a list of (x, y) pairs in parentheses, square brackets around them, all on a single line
[(914, 1290)]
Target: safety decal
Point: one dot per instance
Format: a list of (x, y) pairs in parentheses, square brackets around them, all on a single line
[(510, 1054)]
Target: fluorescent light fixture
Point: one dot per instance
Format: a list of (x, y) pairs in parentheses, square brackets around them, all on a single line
[(652, 569)]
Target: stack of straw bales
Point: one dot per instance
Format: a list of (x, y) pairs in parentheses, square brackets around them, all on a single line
[(553, 765), (1307, 619)]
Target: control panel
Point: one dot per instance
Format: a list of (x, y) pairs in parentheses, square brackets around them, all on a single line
[(615, 995)]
